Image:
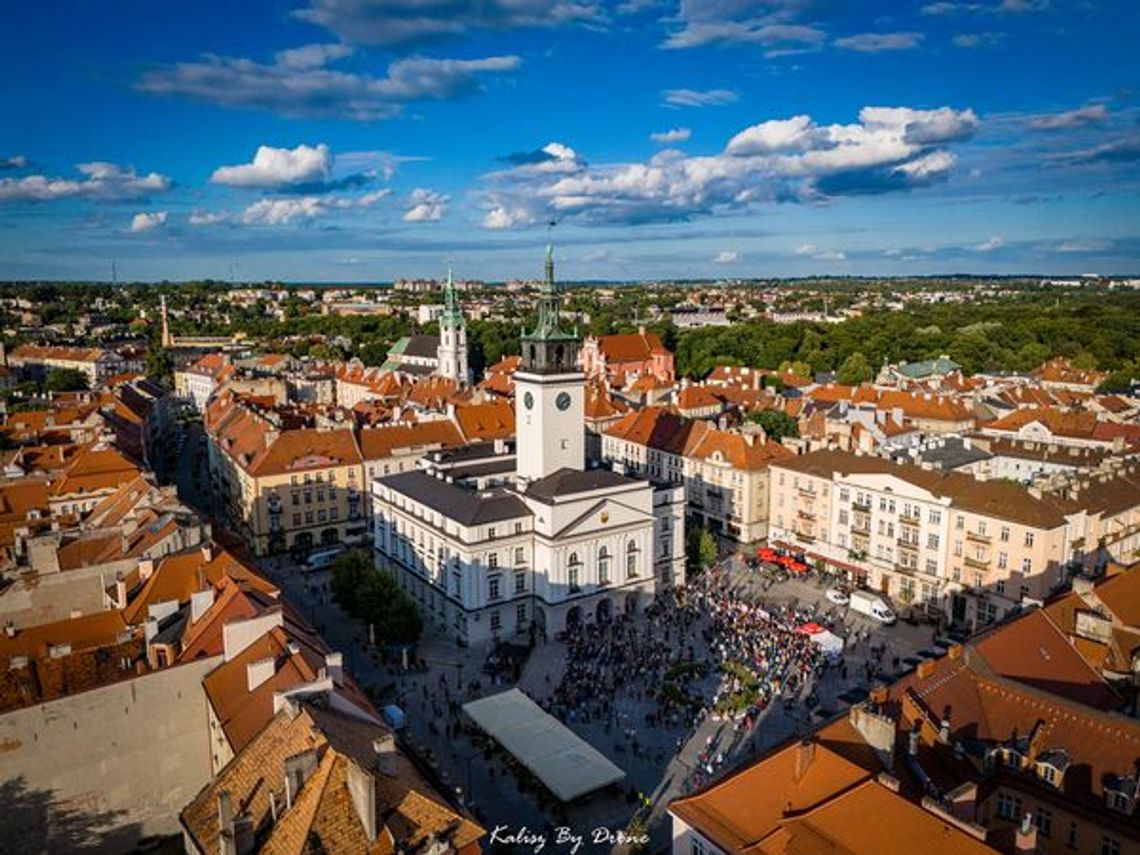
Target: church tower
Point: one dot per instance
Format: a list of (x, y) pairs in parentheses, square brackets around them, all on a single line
[(549, 392), (452, 351)]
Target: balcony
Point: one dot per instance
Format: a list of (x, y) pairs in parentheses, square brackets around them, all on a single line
[(911, 545), (861, 506), (805, 514), (977, 563), (807, 490), (905, 569), (910, 519), (978, 537), (804, 536), (862, 527)]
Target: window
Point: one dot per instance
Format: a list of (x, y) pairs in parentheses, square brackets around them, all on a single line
[(1026, 566), (296, 519), (1029, 538), (931, 567), (982, 527), (1008, 807), (520, 555), (520, 583), (631, 560), (1109, 846), (308, 516), (496, 621), (935, 517), (932, 541), (334, 513), (603, 566), (1003, 560), (1043, 819), (572, 579), (491, 533), (696, 846), (1005, 534), (1072, 837), (958, 548), (843, 517), (844, 495), (493, 592), (520, 615), (493, 560), (960, 522), (1001, 587)]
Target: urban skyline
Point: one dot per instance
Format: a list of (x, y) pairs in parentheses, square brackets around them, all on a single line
[(341, 141)]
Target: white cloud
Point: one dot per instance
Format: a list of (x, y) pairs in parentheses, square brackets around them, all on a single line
[(698, 97), (674, 135), (753, 31), (889, 149), (101, 180), (879, 42), (1090, 115), (206, 218), (817, 254), (285, 211), (774, 135), (313, 56), (404, 22), (989, 245), (726, 257), (17, 161), (1005, 6), (148, 221), (978, 40), (276, 167), (425, 206), (294, 85)]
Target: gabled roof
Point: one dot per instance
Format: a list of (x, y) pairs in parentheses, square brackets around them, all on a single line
[(383, 441), (490, 420), (631, 347)]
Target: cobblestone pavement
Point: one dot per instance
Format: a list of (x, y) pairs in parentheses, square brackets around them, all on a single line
[(668, 760)]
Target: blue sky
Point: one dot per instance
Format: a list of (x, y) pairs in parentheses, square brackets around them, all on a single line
[(347, 140)]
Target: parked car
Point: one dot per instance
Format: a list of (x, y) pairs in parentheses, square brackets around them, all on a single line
[(838, 596)]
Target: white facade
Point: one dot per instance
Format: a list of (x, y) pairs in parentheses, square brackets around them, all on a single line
[(452, 353), (550, 421)]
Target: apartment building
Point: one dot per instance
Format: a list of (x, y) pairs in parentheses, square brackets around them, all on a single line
[(725, 473), (972, 547), (36, 361)]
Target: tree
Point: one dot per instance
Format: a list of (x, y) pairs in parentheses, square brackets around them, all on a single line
[(854, 370), (799, 368), (374, 597), (66, 380), (159, 366), (701, 549), (776, 423)]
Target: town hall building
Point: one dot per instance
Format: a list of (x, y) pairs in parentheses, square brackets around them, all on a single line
[(498, 542)]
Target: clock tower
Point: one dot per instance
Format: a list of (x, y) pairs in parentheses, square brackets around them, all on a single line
[(549, 392)]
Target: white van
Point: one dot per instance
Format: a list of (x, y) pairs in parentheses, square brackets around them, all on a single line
[(322, 559), (872, 605)]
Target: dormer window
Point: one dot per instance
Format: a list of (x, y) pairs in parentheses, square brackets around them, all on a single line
[(1120, 795), (1051, 766)]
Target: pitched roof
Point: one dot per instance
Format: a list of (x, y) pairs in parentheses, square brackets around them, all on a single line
[(464, 506), (490, 420), (383, 441), (570, 482), (631, 347), (86, 632)]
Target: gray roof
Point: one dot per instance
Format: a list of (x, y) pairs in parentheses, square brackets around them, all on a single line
[(568, 482), (950, 453), (466, 507), (422, 345)]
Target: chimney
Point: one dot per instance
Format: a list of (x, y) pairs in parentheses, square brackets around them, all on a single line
[(10, 629), (805, 753), (260, 671), (334, 665), (944, 732), (227, 844), (200, 603), (120, 591), (146, 568), (207, 552), (1025, 843), (925, 668), (954, 652), (385, 749)]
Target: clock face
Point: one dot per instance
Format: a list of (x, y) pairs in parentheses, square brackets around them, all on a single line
[(528, 400), (562, 401)]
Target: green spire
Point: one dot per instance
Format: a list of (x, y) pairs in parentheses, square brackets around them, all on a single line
[(452, 316), (549, 326)]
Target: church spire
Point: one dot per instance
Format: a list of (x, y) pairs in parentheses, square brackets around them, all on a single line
[(452, 314)]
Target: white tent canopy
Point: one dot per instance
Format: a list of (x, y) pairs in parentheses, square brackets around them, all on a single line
[(567, 765), (831, 644)]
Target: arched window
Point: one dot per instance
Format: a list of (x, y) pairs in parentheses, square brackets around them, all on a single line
[(631, 559), (603, 566), (573, 569)]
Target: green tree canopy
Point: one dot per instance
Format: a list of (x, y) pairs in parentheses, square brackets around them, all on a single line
[(374, 597), (776, 423), (65, 380), (854, 370)]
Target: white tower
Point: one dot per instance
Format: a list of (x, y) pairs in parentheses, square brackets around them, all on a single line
[(549, 393), (452, 351)]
